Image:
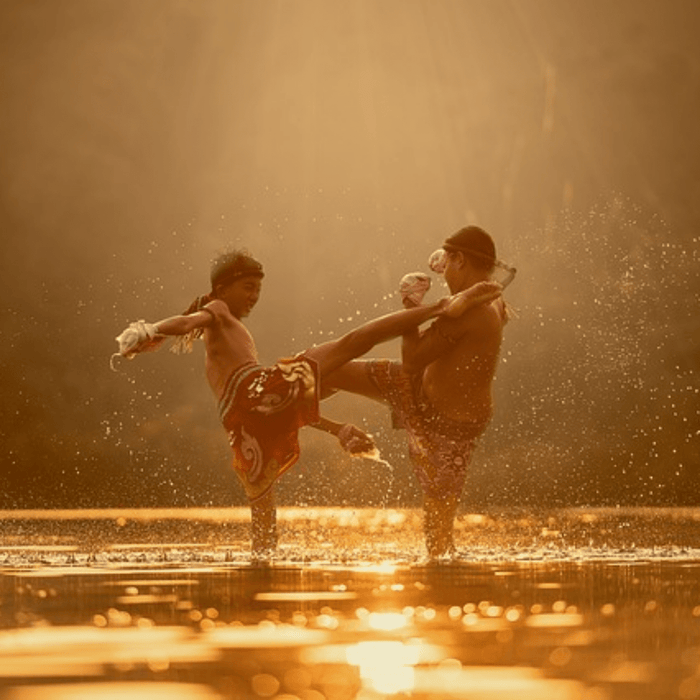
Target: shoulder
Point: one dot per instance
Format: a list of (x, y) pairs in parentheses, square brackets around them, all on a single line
[(218, 309), (224, 320), (481, 320)]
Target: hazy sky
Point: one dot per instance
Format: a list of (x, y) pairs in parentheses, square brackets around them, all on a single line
[(341, 142)]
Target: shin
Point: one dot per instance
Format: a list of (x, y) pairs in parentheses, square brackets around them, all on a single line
[(358, 341), (438, 525), (263, 525)]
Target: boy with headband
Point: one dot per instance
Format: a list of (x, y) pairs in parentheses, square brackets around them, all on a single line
[(440, 392), (262, 408)]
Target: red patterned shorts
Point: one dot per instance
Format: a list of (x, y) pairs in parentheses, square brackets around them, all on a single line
[(262, 409)]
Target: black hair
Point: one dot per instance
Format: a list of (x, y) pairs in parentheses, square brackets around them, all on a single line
[(232, 264)]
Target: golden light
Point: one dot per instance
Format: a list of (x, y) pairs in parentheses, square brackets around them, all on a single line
[(387, 665), (386, 621)]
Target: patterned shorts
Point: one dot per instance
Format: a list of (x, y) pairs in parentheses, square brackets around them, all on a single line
[(262, 409), (440, 448)]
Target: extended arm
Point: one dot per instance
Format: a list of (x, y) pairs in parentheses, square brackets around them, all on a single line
[(180, 325), (141, 336)]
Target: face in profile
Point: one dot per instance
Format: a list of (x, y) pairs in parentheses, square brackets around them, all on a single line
[(454, 262)]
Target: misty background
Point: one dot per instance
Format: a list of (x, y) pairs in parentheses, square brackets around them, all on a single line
[(341, 142)]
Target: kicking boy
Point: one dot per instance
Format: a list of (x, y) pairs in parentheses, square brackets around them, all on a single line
[(441, 391), (262, 408)]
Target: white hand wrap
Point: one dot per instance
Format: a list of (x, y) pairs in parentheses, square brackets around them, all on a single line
[(438, 261), (414, 286), (137, 334)]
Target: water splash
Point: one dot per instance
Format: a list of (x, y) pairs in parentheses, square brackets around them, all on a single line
[(374, 455), (597, 394)]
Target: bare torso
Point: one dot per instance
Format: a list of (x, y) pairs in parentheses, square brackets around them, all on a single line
[(458, 383), (228, 345)]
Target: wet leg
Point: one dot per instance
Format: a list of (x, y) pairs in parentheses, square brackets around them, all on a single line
[(438, 525), (351, 377), (263, 516), (335, 353)]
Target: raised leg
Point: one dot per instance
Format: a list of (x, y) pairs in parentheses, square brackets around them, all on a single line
[(351, 377), (335, 353)]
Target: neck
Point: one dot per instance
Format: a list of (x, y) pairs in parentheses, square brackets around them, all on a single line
[(470, 280)]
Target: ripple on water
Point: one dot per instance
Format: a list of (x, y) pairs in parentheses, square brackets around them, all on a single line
[(523, 615)]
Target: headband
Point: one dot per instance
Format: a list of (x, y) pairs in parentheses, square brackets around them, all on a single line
[(469, 251), (438, 261), (254, 269)]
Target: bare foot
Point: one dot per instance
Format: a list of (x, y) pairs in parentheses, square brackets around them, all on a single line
[(477, 294)]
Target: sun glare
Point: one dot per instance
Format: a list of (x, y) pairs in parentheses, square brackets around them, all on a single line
[(386, 665), (386, 621)]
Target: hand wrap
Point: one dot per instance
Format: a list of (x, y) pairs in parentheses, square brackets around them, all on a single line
[(414, 286), (136, 337)]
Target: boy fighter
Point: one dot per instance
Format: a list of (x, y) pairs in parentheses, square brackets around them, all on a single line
[(262, 408), (441, 390)]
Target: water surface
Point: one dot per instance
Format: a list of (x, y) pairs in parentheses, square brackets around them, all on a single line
[(146, 604)]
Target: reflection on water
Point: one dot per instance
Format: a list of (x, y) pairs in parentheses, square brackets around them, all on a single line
[(594, 605)]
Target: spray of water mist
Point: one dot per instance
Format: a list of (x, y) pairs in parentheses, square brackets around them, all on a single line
[(597, 395)]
